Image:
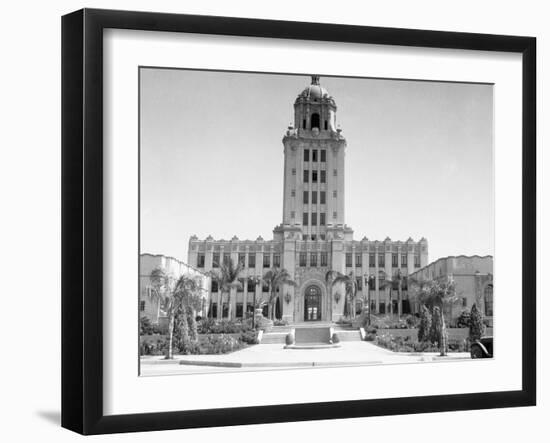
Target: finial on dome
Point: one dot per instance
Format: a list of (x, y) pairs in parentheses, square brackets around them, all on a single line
[(315, 79)]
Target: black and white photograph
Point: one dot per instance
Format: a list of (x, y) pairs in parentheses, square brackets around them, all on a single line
[(302, 220)]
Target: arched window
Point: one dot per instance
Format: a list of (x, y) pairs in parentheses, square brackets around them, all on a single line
[(488, 298), (315, 121)]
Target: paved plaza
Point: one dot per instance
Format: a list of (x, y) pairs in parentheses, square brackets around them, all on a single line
[(274, 356)]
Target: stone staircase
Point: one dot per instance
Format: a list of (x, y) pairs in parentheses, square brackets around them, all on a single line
[(277, 334)]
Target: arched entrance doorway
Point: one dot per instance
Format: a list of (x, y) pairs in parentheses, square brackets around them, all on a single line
[(312, 303)]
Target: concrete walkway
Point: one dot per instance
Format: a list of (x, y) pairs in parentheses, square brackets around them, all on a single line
[(271, 356)]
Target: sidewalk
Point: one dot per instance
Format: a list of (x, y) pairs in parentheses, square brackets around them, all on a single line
[(275, 356)]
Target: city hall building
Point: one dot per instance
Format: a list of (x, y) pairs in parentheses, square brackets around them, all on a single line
[(313, 237)]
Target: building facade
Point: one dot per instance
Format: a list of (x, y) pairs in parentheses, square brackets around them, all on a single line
[(149, 305), (313, 237), (473, 278)]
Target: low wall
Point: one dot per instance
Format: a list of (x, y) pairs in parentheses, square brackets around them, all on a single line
[(455, 334)]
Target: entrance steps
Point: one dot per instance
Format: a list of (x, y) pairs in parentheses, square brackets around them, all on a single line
[(278, 334)]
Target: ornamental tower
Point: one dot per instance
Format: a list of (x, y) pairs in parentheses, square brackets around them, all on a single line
[(314, 150)]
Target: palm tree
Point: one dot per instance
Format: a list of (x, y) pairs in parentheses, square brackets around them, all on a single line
[(176, 295), (350, 284), (396, 280), (227, 279), (437, 294), (276, 278)]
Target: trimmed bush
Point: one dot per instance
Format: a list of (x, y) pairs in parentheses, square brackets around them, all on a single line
[(463, 320), (289, 339), (477, 327), (219, 344), (335, 338), (212, 326), (249, 337), (370, 336)]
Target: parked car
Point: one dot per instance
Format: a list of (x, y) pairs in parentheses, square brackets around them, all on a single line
[(482, 348)]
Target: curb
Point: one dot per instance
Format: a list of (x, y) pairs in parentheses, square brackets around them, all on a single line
[(219, 364)]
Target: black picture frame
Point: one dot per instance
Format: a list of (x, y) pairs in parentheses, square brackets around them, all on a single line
[(82, 219)]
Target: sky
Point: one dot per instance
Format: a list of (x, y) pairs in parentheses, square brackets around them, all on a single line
[(419, 158)]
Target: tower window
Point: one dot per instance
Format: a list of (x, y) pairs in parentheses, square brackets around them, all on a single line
[(323, 155), (306, 155), (314, 155), (315, 121), (323, 176), (306, 197), (306, 176), (276, 260), (305, 221), (313, 176), (313, 259), (323, 197), (348, 260), (314, 197)]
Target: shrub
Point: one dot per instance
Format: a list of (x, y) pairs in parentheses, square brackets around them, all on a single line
[(155, 345), (289, 339), (281, 322), (145, 326), (425, 325), (477, 328), (249, 337), (335, 338), (212, 326), (370, 336), (371, 330), (219, 344), (463, 320), (411, 321), (182, 341), (192, 326)]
